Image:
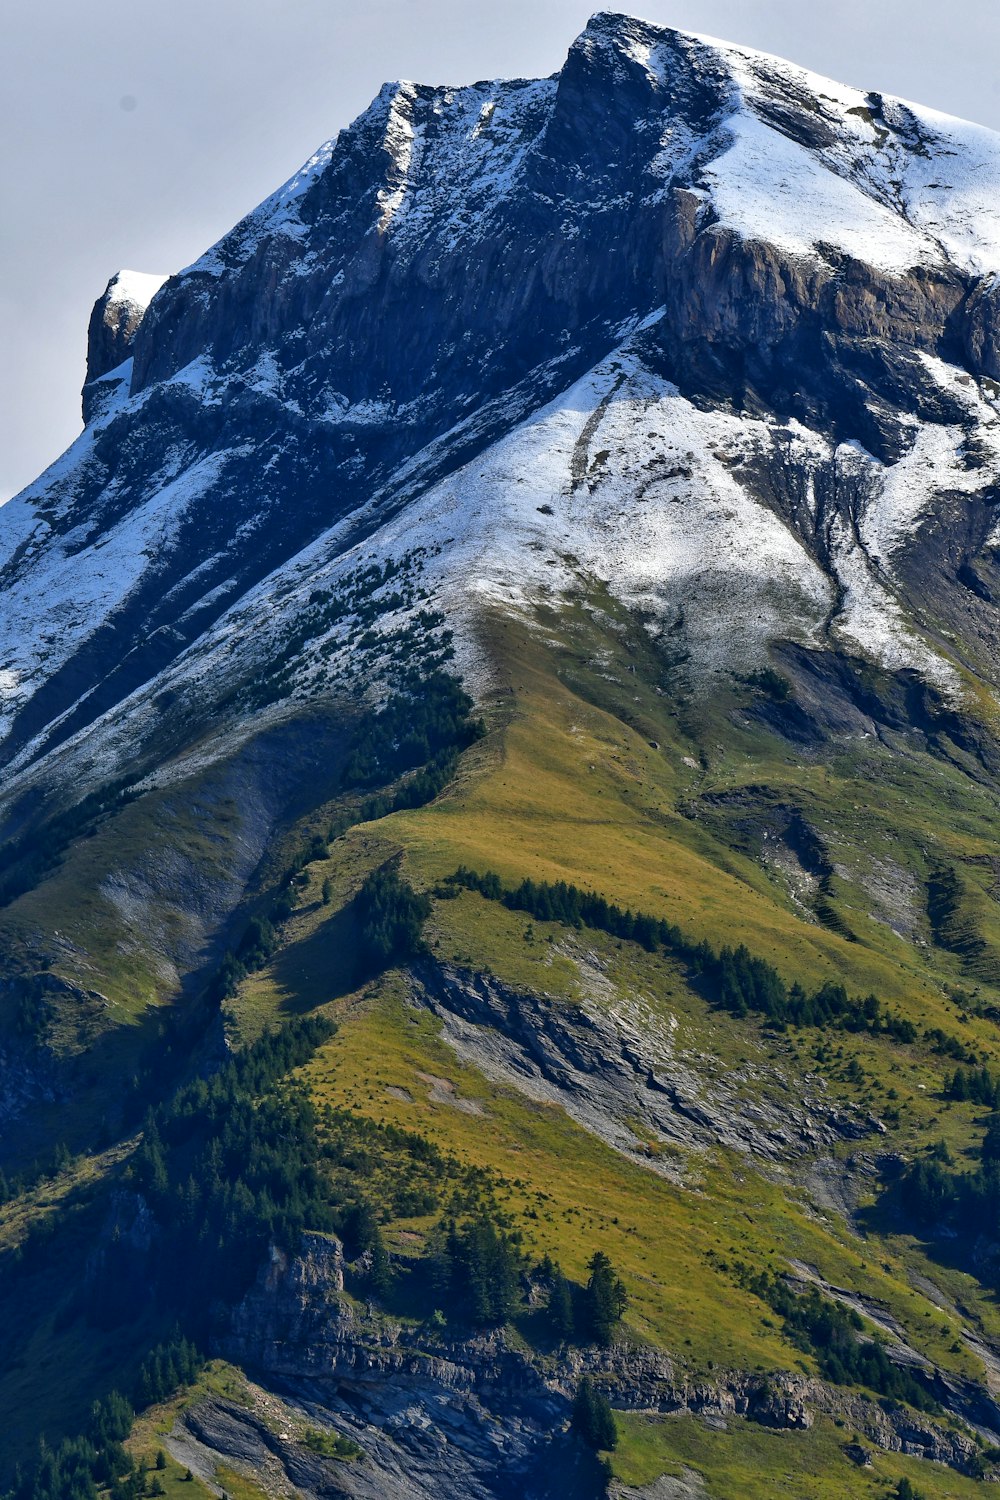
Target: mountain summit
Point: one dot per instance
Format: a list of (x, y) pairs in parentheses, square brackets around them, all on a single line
[(792, 280), (514, 647)]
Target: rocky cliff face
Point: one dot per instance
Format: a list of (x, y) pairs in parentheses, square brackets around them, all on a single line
[(611, 1072), (812, 274), (114, 324), (477, 1418)]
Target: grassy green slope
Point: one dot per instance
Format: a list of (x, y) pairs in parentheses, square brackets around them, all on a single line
[(632, 783), (591, 776)]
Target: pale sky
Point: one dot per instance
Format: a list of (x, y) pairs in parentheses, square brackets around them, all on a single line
[(136, 132)]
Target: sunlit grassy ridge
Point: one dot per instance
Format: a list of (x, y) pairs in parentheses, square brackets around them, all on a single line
[(570, 1194)]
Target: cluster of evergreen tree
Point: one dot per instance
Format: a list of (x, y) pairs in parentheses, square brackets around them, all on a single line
[(82, 1466), (425, 724), (403, 1171), (252, 952), (229, 1166), (26, 860), (832, 1333), (906, 1490), (361, 602), (592, 1416), (391, 916), (935, 1196), (732, 977), (169, 1365), (241, 1161), (604, 1299), (980, 1085), (422, 729), (947, 1045), (589, 1313), (477, 1270), (46, 1167)]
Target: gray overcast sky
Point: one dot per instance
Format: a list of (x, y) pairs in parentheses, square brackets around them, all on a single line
[(135, 132)]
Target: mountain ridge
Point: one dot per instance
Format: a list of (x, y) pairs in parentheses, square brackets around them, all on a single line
[(276, 232)]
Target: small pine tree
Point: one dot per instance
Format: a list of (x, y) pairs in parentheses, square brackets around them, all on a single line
[(161, 1459), (561, 1312), (605, 1298)]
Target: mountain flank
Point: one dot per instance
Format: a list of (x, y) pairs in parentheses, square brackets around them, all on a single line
[(499, 889)]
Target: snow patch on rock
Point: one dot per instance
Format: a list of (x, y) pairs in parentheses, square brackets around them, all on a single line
[(133, 290)]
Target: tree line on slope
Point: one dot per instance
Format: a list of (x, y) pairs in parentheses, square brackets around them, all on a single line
[(836, 1336), (930, 1192), (82, 1467), (733, 978), (26, 860), (241, 1161), (940, 1199)]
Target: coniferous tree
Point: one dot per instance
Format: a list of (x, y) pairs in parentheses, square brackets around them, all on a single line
[(592, 1417), (605, 1299), (380, 1275), (561, 1311)]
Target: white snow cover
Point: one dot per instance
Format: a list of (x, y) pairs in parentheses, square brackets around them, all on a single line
[(134, 289), (466, 165), (770, 188), (620, 479), (896, 186), (401, 143), (81, 583), (886, 182), (905, 494), (646, 495), (449, 176)]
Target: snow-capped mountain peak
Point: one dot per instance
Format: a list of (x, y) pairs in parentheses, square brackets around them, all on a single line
[(684, 321)]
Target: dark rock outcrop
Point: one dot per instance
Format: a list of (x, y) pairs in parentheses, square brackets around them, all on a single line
[(114, 324), (477, 1417)]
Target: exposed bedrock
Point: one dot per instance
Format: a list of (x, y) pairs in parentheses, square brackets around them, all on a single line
[(609, 1068), (470, 1417)]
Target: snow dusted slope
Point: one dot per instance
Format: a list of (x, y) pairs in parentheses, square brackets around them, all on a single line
[(684, 319), (815, 165)]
